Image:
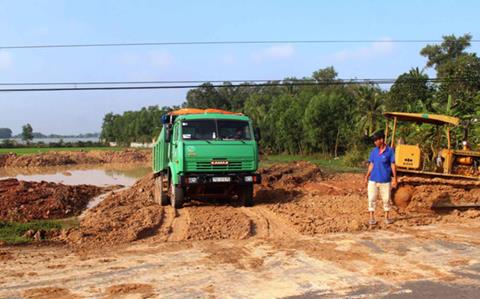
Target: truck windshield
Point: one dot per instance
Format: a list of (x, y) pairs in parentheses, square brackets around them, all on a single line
[(202, 129), (233, 130), (209, 129)]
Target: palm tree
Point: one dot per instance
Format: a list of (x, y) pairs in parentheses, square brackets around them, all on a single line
[(370, 107)]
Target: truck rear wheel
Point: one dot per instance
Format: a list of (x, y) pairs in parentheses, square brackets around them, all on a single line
[(160, 194), (245, 195), (177, 196)]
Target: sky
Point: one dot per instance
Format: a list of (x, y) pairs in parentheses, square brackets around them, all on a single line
[(31, 22)]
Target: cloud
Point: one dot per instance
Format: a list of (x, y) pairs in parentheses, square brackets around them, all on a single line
[(277, 52), (6, 60), (376, 49)]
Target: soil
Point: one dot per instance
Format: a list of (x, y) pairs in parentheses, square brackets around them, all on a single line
[(121, 217), (128, 246), (423, 195), (75, 158), (49, 293), (294, 199), (25, 201)]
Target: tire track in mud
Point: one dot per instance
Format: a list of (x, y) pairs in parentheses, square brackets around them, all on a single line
[(179, 225), (203, 222), (266, 224)]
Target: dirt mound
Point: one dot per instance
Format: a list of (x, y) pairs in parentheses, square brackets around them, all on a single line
[(123, 216), (293, 199), (75, 157), (132, 214), (48, 293), (337, 204), (127, 290), (426, 195), (24, 201), (217, 222), (288, 175)]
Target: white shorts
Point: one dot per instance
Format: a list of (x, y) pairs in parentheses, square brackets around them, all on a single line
[(374, 189)]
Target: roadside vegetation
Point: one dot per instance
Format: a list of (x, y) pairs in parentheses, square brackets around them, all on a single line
[(12, 233), (38, 150), (323, 114), (326, 163)]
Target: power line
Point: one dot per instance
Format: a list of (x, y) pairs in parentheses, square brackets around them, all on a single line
[(133, 85), (232, 42)]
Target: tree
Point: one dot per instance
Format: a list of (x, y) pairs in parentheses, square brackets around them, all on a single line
[(207, 96), (458, 69), (408, 90), (5, 133), (27, 133), (370, 100), (328, 74), (325, 117)]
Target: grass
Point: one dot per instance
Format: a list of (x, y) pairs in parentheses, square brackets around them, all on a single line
[(12, 232), (326, 163), (37, 150)]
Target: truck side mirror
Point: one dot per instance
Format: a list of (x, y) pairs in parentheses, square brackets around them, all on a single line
[(168, 133), (257, 134)]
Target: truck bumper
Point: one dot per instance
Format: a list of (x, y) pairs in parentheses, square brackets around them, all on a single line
[(219, 178)]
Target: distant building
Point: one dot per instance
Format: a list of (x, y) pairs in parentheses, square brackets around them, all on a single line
[(141, 145)]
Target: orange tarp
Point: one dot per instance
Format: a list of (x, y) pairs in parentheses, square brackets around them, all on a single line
[(200, 111)]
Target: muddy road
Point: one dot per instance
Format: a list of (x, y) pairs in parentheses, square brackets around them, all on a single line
[(306, 236), (376, 263)]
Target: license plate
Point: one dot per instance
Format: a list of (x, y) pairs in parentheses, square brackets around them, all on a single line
[(221, 179), (219, 163)]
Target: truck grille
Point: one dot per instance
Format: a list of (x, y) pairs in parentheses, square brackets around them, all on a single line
[(232, 165)]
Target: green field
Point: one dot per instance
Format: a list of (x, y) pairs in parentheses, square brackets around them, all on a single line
[(326, 163), (12, 232), (37, 150)]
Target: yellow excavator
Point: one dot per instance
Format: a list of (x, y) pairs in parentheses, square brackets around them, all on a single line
[(440, 173)]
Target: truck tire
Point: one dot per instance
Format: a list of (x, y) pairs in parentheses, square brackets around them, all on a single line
[(160, 194), (246, 195), (177, 196)]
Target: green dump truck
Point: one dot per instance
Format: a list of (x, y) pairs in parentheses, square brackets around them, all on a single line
[(203, 154)]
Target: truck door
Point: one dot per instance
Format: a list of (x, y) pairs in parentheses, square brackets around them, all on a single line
[(174, 143)]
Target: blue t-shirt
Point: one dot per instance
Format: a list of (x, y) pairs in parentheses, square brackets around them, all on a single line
[(382, 169)]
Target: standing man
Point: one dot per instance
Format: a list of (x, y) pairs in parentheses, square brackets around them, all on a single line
[(381, 167)]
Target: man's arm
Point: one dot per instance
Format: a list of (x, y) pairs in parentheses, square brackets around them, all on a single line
[(370, 168), (394, 172)]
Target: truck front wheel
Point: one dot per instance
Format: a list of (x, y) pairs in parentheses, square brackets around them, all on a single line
[(160, 194), (177, 196), (245, 195)]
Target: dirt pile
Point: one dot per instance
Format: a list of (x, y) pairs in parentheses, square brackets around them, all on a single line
[(290, 175), (215, 223), (123, 216), (24, 201), (132, 214), (294, 199), (339, 204), (425, 195), (335, 204), (75, 157)]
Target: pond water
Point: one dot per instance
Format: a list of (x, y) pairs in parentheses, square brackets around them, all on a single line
[(98, 175)]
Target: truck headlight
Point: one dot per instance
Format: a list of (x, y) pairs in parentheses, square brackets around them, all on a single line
[(192, 180), (248, 179)]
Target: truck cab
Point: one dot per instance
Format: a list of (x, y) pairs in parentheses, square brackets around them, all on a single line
[(203, 154)]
